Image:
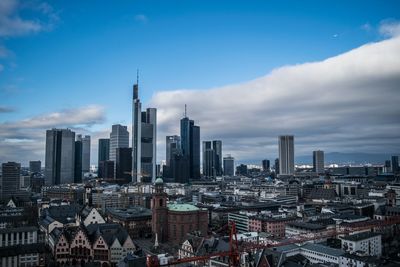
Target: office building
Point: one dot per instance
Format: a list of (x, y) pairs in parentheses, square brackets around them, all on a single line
[(144, 140), (318, 161), (119, 137), (276, 166), (104, 150), (229, 165), (190, 145), (85, 153), (35, 166), (173, 146), (123, 165), (286, 154), (265, 165), (395, 164), (60, 156), (78, 160), (212, 158), (10, 182), (179, 169), (106, 169)]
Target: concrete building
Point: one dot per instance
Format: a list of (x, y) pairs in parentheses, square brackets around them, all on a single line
[(137, 220), (318, 162), (60, 156), (366, 243), (144, 140), (229, 165), (85, 153), (286, 154)]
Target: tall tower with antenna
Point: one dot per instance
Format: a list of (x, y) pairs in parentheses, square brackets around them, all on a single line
[(144, 139)]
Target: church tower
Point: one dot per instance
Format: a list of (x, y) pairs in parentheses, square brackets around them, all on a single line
[(159, 222)]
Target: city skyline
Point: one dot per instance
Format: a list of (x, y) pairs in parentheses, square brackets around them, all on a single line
[(317, 97)]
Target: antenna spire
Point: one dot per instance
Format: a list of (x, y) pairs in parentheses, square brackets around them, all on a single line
[(137, 76), (185, 112)]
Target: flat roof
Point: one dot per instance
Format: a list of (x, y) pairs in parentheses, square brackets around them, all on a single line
[(360, 236), (182, 207)]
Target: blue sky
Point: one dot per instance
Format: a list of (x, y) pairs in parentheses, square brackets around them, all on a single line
[(81, 53)]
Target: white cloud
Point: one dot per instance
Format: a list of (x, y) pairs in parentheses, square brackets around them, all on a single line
[(141, 18), (390, 28), (349, 102), (24, 140)]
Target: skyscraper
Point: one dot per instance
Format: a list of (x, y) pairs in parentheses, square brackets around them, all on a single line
[(190, 145), (173, 145), (395, 164), (35, 166), (229, 165), (265, 165), (276, 166), (78, 160), (60, 155), (318, 161), (10, 181), (104, 150), (144, 140), (119, 137), (86, 153), (286, 154), (212, 158), (123, 165)]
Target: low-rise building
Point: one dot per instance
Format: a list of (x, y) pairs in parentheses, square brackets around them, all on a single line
[(366, 243), (137, 220)]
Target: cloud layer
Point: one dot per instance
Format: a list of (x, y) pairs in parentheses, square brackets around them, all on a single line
[(24, 140), (346, 103)]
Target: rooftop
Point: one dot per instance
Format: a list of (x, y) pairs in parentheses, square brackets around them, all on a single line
[(360, 236), (129, 213), (182, 207)]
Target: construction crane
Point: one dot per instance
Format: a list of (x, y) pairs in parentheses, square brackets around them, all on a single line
[(235, 251)]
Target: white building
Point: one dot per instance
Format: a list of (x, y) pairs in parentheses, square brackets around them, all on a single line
[(367, 243)]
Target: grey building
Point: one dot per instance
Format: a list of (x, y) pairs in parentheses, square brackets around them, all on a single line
[(104, 150), (229, 165), (265, 165), (106, 169), (35, 166), (318, 161), (78, 160), (190, 145), (85, 154), (286, 154), (119, 137), (217, 146), (60, 156), (10, 182), (173, 146), (395, 164), (144, 140), (212, 158)]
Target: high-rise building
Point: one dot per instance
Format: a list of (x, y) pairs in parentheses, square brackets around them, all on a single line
[(104, 150), (123, 165), (119, 137), (144, 140), (78, 160), (212, 158), (395, 164), (318, 161), (35, 166), (179, 168), (86, 153), (10, 182), (60, 156), (276, 166), (173, 146), (106, 169), (286, 154), (190, 145), (265, 165), (217, 147), (229, 165), (208, 159)]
